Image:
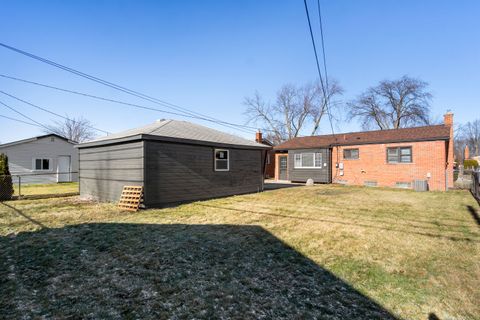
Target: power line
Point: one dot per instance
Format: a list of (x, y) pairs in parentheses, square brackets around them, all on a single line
[(323, 43), (119, 102), (325, 94), (48, 111), (327, 101), (25, 116), (121, 88), (18, 120)]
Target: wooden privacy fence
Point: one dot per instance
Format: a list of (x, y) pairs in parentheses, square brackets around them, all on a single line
[(476, 185)]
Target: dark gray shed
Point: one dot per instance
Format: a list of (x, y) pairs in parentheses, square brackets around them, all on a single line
[(175, 161)]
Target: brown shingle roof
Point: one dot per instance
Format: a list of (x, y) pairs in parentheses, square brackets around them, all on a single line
[(427, 133)]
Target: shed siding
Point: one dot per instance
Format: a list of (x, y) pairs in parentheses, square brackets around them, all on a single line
[(20, 158), (180, 172), (105, 170), (320, 175)]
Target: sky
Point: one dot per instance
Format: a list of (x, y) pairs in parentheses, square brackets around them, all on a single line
[(207, 56)]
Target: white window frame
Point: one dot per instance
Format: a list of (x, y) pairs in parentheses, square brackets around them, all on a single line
[(215, 159), (299, 157), (50, 164)]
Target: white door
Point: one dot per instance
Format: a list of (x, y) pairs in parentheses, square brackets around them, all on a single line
[(63, 169)]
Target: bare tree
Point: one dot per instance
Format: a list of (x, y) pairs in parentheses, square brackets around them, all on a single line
[(393, 104), (319, 104), (76, 129), (296, 110), (459, 143), (470, 133)]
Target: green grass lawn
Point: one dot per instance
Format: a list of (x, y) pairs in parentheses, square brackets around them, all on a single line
[(50, 188), (327, 251)]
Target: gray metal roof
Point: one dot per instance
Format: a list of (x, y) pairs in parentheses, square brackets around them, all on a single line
[(176, 131)]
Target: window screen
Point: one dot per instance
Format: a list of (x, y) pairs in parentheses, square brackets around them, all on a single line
[(42, 164), (318, 159), (298, 160), (222, 160), (350, 154), (308, 160), (399, 155)]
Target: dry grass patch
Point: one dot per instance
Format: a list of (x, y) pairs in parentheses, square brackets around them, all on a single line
[(48, 188), (324, 251)]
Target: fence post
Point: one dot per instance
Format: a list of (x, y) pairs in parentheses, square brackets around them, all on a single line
[(19, 186)]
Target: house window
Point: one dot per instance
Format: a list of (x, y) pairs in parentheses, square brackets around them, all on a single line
[(399, 155), (403, 185), (370, 183), (222, 160), (41, 164), (268, 158), (308, 160), (350, 154)]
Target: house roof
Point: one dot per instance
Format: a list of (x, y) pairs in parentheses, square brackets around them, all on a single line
[(177, 131), (36, 138), (426, 133)]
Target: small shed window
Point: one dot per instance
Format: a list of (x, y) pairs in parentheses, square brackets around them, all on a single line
[(222, 160), (399, 155), (308, 160), (41, 164), (350, 154)]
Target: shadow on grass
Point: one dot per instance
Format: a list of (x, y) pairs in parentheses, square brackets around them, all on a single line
[(20, 213), (169, 271), (474, 214), (279, 185), (355, 224)]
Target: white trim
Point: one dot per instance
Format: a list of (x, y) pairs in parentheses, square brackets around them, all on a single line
[(215, 159), (50, 164), (301, 159)]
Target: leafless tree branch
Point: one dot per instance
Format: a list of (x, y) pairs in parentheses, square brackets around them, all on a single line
[(393, 104), (75, 129)]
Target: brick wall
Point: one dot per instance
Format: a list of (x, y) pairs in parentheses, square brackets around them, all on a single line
[(428, 159)]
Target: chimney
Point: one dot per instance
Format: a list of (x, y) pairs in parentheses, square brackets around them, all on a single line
[(258, 137), (466, 153), (448, 119)]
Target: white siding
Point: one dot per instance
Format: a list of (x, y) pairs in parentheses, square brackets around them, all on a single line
[(20, 158)]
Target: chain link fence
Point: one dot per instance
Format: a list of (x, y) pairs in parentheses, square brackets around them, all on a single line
[(38, 185)]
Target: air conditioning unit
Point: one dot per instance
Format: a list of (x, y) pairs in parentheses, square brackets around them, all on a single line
[(420, 185)]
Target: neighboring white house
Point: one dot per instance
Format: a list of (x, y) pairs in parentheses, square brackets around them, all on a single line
[(44, 159)]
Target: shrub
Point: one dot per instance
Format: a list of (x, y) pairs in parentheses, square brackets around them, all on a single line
[(6, 186), (470, 163)]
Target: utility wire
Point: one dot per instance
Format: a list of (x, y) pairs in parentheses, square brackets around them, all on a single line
[(18, 120), (25, 116), (324, 90), (118, 87), (48, 111), (120, 102), (327, 101), (323, 44)]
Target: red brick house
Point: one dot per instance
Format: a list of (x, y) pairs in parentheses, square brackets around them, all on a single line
[(388, 158)]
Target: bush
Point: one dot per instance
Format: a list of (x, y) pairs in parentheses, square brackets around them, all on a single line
[(6, 186), (470, 163)]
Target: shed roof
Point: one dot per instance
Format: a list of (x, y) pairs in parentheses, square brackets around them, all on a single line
[(9, 144), (176, 131), (426, 133)]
